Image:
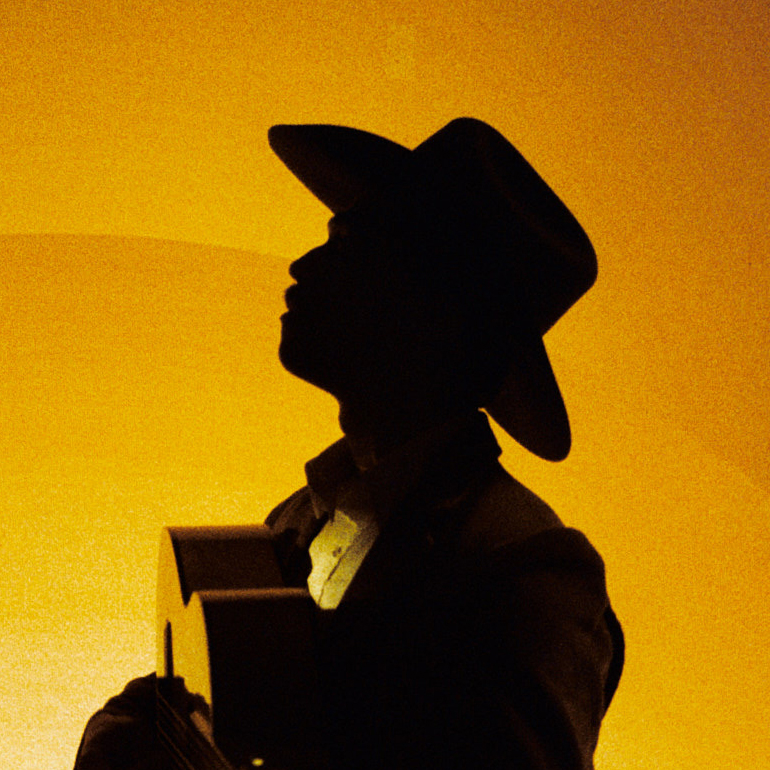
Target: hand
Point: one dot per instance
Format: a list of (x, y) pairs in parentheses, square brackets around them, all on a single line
[(123, 734)]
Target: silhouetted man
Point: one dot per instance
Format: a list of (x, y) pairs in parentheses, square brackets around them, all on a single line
[(462, 624)]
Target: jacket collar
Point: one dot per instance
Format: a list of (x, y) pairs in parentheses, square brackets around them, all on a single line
[(431, 469)]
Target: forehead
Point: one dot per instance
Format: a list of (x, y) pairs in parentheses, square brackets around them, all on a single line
[(341, 223), (387, 219), (360, 219)]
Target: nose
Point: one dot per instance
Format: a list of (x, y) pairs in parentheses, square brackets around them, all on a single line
[(308, 265)]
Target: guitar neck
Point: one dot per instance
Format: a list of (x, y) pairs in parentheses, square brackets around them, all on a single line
[(186, 746)]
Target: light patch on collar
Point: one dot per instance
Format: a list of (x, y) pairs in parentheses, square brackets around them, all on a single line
[(336, 554)]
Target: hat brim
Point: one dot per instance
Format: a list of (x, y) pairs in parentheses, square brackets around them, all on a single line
[(340, 166), (529, 406)]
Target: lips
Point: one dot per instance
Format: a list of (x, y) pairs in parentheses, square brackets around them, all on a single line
[(290, 297)]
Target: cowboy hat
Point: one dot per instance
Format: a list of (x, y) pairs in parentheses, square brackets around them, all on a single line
[(480, 179)]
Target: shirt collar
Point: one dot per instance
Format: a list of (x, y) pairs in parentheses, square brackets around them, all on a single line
[(435, 466)]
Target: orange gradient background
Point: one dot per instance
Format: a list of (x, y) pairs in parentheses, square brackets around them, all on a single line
[(145, 231)]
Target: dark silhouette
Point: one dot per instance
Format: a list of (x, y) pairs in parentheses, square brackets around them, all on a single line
[(461, 624)]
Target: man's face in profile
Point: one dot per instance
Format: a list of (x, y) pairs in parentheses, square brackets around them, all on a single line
[(363, 303), (332, 311)]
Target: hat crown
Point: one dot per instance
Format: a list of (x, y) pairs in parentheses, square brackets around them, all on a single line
[(554, 261)]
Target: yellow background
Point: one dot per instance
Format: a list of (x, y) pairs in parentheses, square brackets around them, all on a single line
[(146, 233)]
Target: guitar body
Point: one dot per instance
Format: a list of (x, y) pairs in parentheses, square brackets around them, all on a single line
[(237, 682)]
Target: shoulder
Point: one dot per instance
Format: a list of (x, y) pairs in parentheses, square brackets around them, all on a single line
[(517, 551), (504, 513), (514, 537), (531, 566)]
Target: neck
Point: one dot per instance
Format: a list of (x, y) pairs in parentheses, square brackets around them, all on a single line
[(372, 434)]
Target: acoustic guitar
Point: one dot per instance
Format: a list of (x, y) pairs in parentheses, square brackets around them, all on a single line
[(237, 678)]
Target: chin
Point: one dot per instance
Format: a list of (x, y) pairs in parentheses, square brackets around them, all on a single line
[(301, 356), (291, 358)]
